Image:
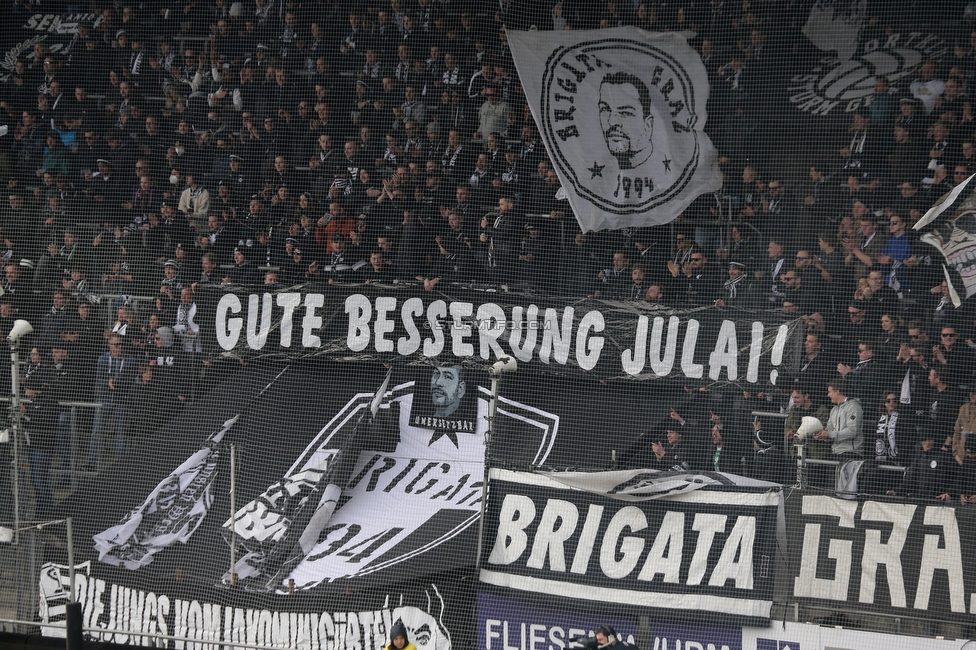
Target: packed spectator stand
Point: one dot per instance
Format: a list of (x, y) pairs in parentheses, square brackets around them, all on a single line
[(276, 143)]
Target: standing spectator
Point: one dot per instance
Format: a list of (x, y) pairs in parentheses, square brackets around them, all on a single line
[(769, 461), (243, 273), (910, 119), (954, 360), (928, 86), (897, 258), (803, 405), (501, 236), (726, 453), (863, 378), (966, 474), (412, 108), (777, 265), (535, 263), (890, 446), (194, 201), (169, 286), (830, 263), (674, 456), (16, 290), (494, 114), (45, 389), (638, 288), (59, 261), (905, 158), (126, 319), (845, 424), (696, 282), (82, 335), (864, 250), (882, 104), (937, 409), (54, 317), (964, 431), (114, 373), (908, 371), (185, 327), (173, 385), (878, 297), (737, 290), (209, 274), (614, 279), (144, 401), (892, 441)]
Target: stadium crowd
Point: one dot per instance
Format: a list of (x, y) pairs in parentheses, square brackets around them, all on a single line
[(269, 142)]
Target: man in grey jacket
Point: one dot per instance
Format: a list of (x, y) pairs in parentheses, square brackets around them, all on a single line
[(844, 426)]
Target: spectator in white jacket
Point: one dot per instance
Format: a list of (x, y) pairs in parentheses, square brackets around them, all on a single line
[(493, 115), (194, 201)]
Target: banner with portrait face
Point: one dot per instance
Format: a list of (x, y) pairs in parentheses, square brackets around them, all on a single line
[(621, 112), (400, 454), (191, 535), (950, 226)]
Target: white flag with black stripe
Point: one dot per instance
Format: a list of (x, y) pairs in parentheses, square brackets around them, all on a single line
[(621, 112), (171, 513), (950, 226)]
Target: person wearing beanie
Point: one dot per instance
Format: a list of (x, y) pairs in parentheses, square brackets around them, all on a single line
[(398, 638), (608, 639)]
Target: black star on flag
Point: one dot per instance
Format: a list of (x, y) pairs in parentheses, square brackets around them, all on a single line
[(596, 170), (444, 433), (667, 164)]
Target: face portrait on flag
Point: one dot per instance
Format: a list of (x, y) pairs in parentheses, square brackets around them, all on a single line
[(626, 119), (435, 421), (446, 390), (621, 113), (614, 139), (956, 237)]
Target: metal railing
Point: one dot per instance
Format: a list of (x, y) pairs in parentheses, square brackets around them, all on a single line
[(72, 470), (803, 462)]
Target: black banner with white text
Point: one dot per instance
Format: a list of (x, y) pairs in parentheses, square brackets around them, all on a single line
[(704, 545), (900, 557), (474, 328)]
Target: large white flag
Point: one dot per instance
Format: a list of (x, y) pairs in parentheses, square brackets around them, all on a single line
[(621, 112)]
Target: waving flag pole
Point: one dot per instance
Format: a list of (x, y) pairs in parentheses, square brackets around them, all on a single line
[(951, 227), (171, 513), (313, 512), (173, 510)]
